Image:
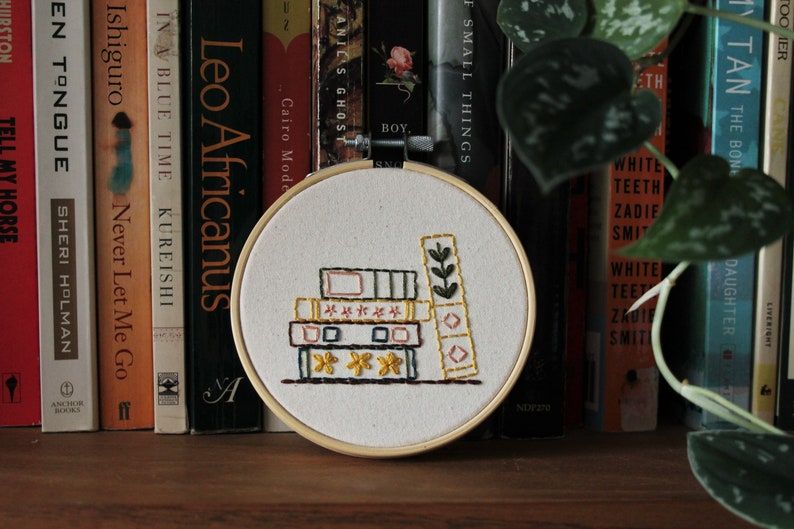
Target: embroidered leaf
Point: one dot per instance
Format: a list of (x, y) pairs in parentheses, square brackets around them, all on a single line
[(750, 474), (568, 107), (444, 253), (635, 26), (441, 291), (527, 22), (449, 269), (438, 272), (451, 289), (710, 214)]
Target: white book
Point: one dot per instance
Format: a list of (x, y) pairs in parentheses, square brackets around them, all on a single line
[(65, 215), (769, 275), (165, 198)]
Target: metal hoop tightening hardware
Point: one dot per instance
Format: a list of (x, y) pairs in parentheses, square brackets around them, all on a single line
[(418, 144)]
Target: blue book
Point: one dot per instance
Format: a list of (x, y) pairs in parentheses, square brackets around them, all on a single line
[(718, 296)]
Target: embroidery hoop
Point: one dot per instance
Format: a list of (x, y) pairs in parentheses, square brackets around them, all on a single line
[(328, 441)]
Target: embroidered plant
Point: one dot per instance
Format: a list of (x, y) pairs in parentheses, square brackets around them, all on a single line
[(399, 64), (571, 104), (442, 271)]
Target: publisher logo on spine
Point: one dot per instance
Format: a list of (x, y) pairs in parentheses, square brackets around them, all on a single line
[(167, 389), (12, 391)]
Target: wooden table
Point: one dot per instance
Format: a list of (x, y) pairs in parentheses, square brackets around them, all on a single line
[(138, 479)]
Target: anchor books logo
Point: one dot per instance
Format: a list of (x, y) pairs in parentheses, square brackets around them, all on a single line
[(168, 389)]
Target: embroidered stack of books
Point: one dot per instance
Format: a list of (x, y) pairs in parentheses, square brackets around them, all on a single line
[(367, 319)]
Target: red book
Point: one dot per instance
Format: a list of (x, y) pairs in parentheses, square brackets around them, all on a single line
[(19, 329), (287, 96)]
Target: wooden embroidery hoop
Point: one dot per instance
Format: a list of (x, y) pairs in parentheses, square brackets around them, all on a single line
[(350, 448)]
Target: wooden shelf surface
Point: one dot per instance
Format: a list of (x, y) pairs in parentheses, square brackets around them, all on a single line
[(139, 479)]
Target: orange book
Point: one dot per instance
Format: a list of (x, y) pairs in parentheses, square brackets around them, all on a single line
[(121, 180), (622, 382)]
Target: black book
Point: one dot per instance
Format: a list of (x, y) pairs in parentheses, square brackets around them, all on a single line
[(535, 406), (222, 50), (396, 69), (465, 51)]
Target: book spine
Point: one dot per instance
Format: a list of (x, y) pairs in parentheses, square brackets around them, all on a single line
[(165, 202), (534, 407), (65, 196), (624, 378), (735, 132), (121, 194), (768, 283), (464, 47), (784, 411), (286, 103), (342, 310), (337, 79), (19, 363), (222, 76), (367, 284), (396, 65), (576, 298)]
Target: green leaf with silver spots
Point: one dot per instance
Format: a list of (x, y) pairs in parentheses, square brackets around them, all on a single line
[(568, 106), (635, 26), (711, 214), (750, 474), (527, 22)]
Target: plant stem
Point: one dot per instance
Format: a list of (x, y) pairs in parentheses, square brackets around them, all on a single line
[(672, 42), (667, 162), (708, 400), (739, 19)]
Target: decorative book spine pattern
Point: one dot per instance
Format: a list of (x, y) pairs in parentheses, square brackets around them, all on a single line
[(20, 390), (286, 70), (121, 194), (165, 200), (223, 179), (735, 131), (396, 64), (341, 310), (448, 306), (769, 284), (464, 47), (534, 407), (65, 195), (623, 392), (337, 79), (576, 298)]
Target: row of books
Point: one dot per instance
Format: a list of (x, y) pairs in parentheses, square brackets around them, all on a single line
[(140, 142), (158, 133)]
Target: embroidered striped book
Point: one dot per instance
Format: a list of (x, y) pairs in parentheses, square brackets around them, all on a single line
[(165, 200), (121, 194), (622, 379), (286, 102), (20, 391), (65, 195), (774, 158), (222, 77), (338, 49)]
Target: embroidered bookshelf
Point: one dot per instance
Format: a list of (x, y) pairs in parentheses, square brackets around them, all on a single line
[(137, 479)]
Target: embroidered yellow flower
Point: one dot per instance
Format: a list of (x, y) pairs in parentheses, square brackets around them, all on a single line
[(325, 362), (389, 363), (358, 362)]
